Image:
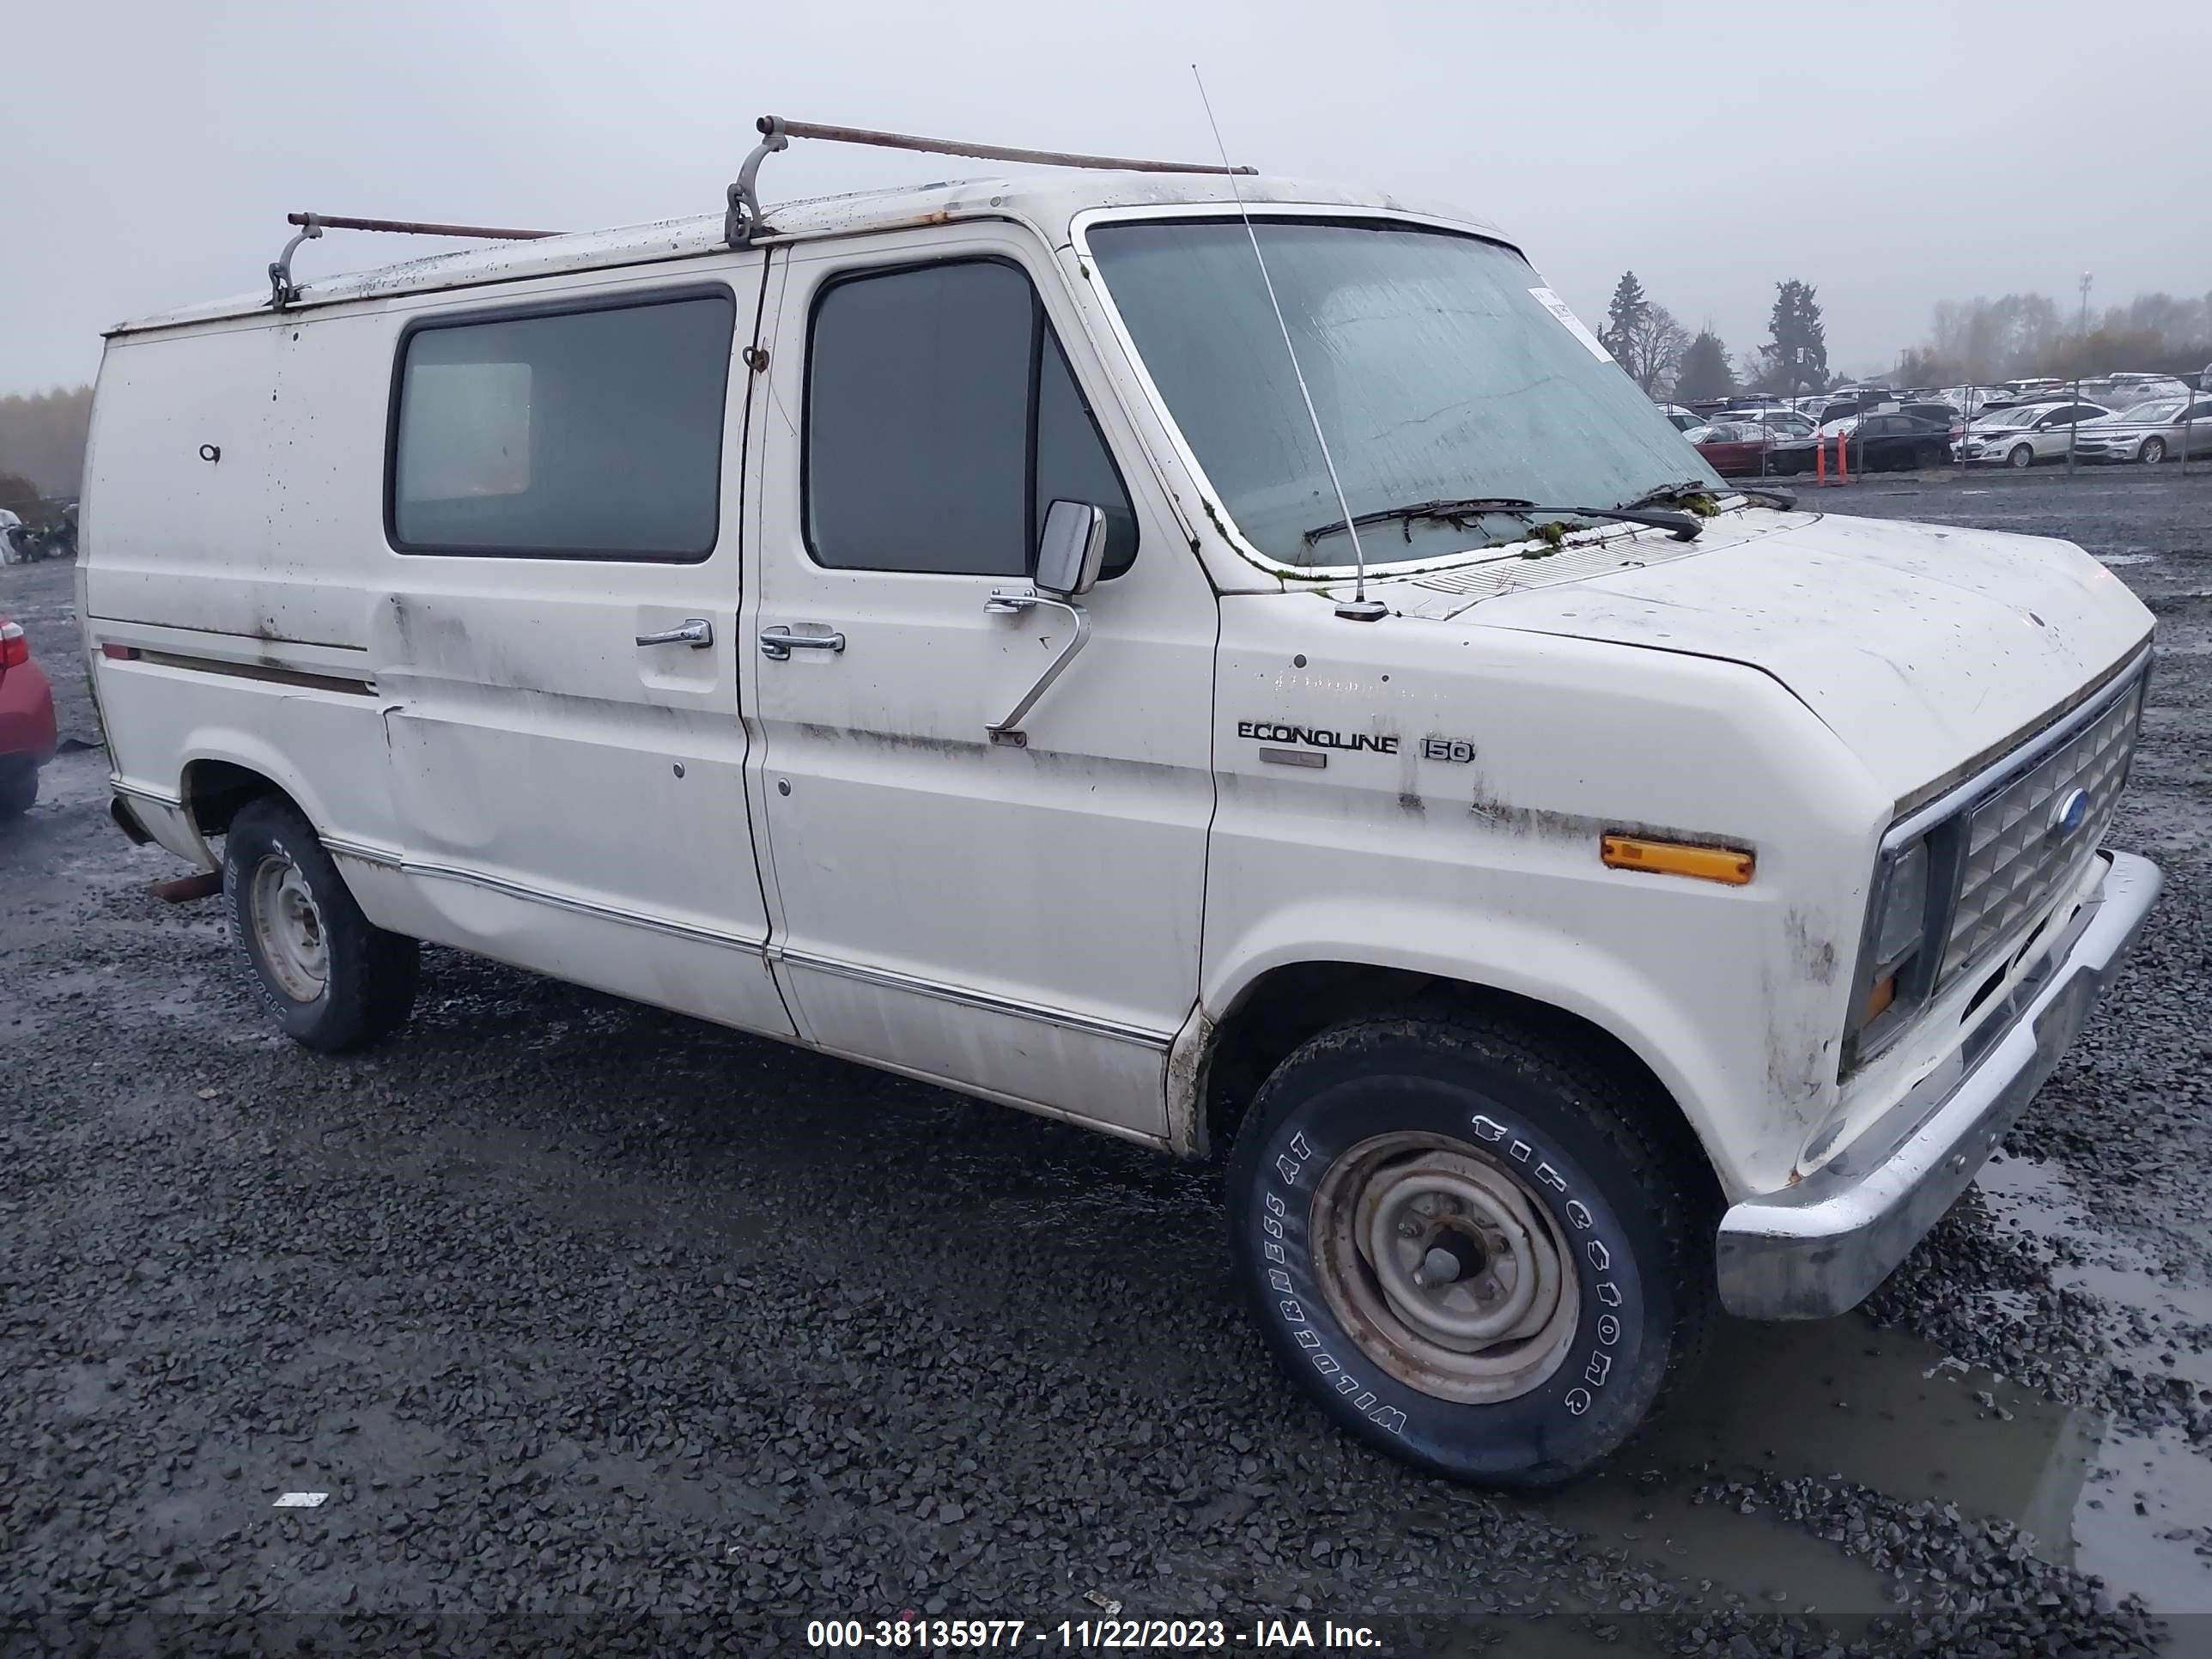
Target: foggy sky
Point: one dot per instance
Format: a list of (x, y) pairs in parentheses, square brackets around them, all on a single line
[(1891, 155)]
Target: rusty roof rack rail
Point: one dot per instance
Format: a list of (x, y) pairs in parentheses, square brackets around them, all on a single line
[(743, 222), (281, 291)]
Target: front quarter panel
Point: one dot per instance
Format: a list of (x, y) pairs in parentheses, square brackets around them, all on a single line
[(1481, 864)]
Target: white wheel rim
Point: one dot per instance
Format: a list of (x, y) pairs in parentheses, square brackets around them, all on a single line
[(288, 928), (1445, 1268)]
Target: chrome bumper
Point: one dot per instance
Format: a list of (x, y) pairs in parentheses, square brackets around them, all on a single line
[(1819, 1248)]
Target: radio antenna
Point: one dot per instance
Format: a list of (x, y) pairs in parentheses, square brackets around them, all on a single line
[(1359, 607)]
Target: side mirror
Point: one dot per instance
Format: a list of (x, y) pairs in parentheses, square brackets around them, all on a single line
[(1071, 548)]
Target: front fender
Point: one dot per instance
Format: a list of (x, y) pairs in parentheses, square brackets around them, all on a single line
[(1498, 953)]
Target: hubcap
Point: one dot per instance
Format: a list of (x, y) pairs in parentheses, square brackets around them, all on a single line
[(1444, 1267), (288, 928)]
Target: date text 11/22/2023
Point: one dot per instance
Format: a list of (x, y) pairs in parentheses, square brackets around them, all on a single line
[(1165, 1635)]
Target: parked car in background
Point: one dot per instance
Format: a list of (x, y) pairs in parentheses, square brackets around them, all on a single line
[(9, 524), (1938, 414), (1889, 441), (2126, 390), (1734, 446), (26, 722), (2150, 433), (2024, 435), (1896, 442), (1682, 419)]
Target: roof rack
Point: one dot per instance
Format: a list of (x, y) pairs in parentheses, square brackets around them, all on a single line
[(743, 222), (281, 291)]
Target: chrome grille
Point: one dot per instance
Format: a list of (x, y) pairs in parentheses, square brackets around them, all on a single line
[(2015, 865)]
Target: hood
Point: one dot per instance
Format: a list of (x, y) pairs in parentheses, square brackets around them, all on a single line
[(1925, 648)]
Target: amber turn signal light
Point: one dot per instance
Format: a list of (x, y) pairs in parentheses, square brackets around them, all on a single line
[(1676, 858)]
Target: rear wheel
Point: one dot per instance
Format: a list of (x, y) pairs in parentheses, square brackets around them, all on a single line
[(335, 981), (19, 787), (2021, 456), (2153, 452), (1469, 1248)]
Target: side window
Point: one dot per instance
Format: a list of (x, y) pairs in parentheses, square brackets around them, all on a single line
[(942, 420), (592, 434)]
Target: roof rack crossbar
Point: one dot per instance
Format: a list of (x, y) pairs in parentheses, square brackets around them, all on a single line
[(281, 291), (743, 223)]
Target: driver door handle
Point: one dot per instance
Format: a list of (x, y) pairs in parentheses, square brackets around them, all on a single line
[(778, 643), (695, 631)]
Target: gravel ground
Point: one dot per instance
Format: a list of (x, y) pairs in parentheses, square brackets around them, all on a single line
[(608, 1332)]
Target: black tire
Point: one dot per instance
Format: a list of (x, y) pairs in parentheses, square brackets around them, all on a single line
[(368, 985), (2153, 452), (2020, 457), (19, 788), (1645, 1298)]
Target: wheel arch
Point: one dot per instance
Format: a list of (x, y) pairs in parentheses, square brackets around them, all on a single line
[(1269, 1012), (223, 771)]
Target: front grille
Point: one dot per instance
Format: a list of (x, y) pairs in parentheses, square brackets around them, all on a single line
[(2014, 865)]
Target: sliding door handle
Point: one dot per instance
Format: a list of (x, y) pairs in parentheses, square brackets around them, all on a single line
[(778, 643), (696, 632)]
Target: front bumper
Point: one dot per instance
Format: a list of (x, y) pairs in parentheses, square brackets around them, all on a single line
[(1819, 1248)]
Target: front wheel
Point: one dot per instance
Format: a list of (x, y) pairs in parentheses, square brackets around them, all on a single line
[(2153, 452), (1471, 1249), (2021, 456), (335, 981)]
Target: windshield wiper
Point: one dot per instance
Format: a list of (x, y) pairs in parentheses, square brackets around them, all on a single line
[(1686, 526), (1676, 492)]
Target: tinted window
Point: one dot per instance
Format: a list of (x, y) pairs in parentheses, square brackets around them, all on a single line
[(941, 421), (593, 433)]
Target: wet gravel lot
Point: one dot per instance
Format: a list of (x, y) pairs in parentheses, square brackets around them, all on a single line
[(609, 1332)]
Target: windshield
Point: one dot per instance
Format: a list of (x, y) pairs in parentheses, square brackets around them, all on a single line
[(2005, 417), (1439, 364)]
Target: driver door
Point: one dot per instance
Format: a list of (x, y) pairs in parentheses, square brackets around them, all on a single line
[(1017, 917)]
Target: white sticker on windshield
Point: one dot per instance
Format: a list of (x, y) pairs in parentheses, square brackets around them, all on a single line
[(1552, 303)]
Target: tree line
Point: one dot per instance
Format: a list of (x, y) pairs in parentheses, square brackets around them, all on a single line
[(1978, 340), (42, 446), (1972, 342), (1668, 361)]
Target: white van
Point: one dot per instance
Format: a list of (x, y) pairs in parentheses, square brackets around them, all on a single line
[(923, 627)]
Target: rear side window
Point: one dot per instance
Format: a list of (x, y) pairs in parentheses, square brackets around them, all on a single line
[(593, 433), (942, 420)]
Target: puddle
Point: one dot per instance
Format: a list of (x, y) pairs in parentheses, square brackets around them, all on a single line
[(1841, 1400), (2110, 559), (2030, 1194), (2146, 1512)]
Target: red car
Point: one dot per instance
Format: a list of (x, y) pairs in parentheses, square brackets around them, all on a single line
[(1734, 447), (26, 722)]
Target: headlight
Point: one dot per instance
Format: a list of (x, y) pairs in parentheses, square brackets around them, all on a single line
[(1902, 922), (1897, 929)]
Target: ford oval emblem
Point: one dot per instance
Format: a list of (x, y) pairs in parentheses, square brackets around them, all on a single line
[(2070, 814)]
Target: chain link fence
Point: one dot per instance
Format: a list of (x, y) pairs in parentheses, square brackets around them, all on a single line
[(2079, 428)]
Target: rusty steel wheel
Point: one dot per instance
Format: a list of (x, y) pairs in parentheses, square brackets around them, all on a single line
[(1442, 1265)]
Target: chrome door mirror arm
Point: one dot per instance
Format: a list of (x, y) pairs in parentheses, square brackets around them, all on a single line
[(1014, 601)]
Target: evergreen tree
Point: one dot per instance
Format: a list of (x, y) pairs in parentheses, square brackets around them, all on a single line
[(1797, 355), (1704, 371), (1625, 320)]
